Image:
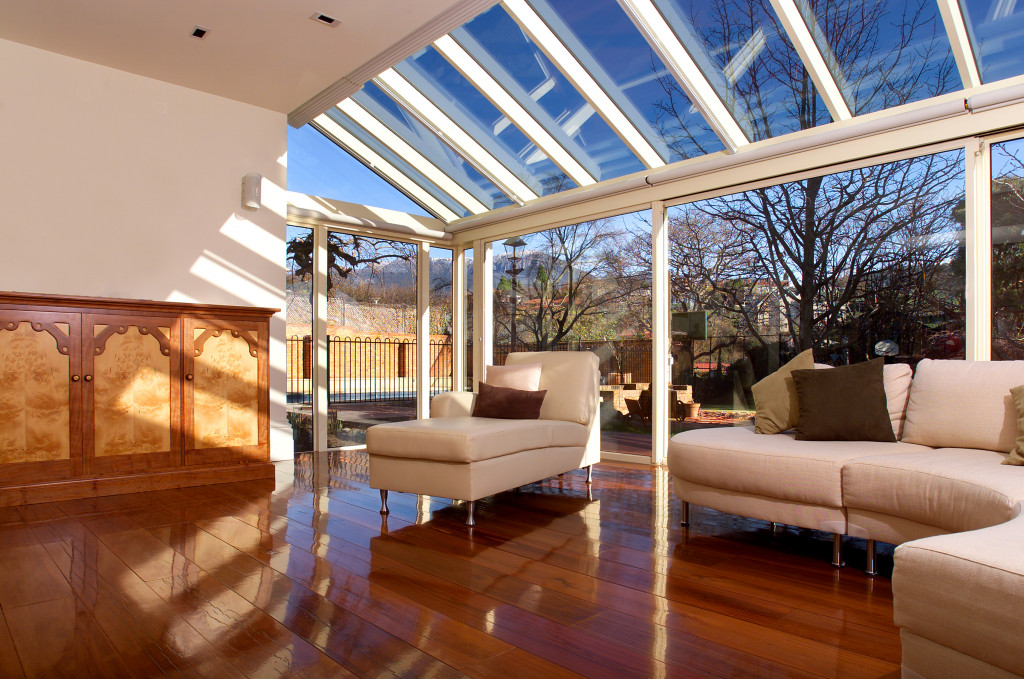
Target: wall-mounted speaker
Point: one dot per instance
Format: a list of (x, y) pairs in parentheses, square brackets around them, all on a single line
[(251, 188)]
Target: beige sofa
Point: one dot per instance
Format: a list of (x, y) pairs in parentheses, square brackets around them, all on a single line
[(453, 454), (940, 493)]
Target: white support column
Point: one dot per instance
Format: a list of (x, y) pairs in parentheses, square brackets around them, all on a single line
[(963, 52), (459, 336), (320, 398), (423, 331), (979, 250), (660, 300), (483, 308)]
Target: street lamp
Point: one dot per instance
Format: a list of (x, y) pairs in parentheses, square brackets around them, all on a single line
[(514, 252)]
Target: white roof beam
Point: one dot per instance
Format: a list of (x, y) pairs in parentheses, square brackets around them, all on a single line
[(417, 160), (963, 52), (571, 68), (435, 119), (810, 54), (702, 95), (513, 110), (339, 135)]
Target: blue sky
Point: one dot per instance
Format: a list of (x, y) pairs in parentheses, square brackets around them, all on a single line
[(321, 168)]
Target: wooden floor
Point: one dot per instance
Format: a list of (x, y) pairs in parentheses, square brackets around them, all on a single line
[(306, 580)]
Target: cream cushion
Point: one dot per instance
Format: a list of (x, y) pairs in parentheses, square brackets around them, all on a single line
[(776, 407), (571, 380), (954, 489), (963, 404), (897, 378), (525, 377), (737, 459), (965, 591), (470, 439)]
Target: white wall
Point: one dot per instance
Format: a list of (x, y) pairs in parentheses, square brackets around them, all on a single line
[(116, 185)]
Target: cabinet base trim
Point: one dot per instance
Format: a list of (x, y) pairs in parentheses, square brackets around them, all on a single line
[(57, 491)]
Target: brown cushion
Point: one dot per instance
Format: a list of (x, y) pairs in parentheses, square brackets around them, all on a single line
[(775, 402), (508, 404), (1016, 456), (847, 403)]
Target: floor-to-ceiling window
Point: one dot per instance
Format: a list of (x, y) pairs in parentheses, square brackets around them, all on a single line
[(585, 287), (442, 321), (371, 335), (856, 264), (301, 356)]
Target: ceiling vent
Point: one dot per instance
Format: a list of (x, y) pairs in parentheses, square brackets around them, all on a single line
[(200, 32), (325, 19)]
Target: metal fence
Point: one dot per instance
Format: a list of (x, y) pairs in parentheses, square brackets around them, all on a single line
[(365, 369)]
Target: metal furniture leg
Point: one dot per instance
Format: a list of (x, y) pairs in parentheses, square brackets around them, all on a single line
[(837, 550), (384, 502), (590, 473), (686, 514), (470, 508), (871, 569)]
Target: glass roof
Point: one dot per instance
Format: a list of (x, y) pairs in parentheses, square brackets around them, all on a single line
[(514, 60), (994, 27), (898, 53), (534, 97)]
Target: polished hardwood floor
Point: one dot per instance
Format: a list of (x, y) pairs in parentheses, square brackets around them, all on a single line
[(305, 579)]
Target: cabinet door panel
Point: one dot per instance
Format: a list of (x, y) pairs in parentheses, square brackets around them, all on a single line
[(225, 392), (39, 396), (132, 393)]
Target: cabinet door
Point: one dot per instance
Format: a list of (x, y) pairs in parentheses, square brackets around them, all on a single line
[(40, 396), (132, 393), (226, 391)]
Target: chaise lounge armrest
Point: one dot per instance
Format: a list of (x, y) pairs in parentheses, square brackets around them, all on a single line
[(452, 404)]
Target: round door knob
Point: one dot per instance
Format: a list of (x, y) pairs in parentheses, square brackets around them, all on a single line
[(75, 378), (188, 377), (88, 378)]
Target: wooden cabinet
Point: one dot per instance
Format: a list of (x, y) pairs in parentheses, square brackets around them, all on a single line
[(103, 396)]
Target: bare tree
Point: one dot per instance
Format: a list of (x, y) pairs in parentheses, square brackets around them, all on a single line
[(573, 277), (347, 253), (809, 248)]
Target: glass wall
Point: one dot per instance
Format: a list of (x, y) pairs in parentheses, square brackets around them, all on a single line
[(301, 356), (1008, 250), (855, 265), (371, 335), (585, 287)]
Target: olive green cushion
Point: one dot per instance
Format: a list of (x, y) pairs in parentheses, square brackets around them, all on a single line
[(776, 408), (1017, 454)]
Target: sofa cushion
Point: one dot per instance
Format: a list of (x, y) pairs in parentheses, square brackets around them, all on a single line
[(525, 376), (737, 459), (775, 399), (965, 591), (1016, 456), (963, 404), (847, 403), (897, 378), (954, 489), (570, 378), (470, 439), (508, 404)]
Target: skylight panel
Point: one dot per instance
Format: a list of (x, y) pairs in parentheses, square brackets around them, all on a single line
[(613, 51), (741, 48), (419, 137), (996, 29), (883, 53), (507, 53)]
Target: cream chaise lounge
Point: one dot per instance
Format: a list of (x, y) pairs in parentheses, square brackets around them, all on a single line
[(455, 455)]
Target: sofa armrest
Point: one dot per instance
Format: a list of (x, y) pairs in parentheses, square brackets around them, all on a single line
[(452, 404), (965, 591)]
